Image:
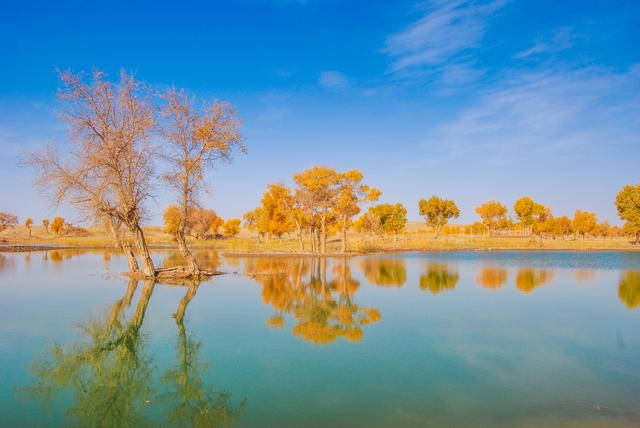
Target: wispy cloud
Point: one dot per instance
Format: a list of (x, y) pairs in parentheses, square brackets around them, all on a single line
[(551, 111), (333, 80), (558, 40), (460, 74), (448, 28)]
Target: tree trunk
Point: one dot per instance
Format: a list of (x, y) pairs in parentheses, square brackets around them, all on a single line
[(186, 253), (344, 236), (124, 245), (143, 303), (312, 238), (180, 236), (143, 252), (323, 234), (299, 230), (182, 306), (323, 273), (131, 258), (318, 241), (438, 229)]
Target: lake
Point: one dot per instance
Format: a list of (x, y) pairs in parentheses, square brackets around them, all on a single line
[(456, 339)]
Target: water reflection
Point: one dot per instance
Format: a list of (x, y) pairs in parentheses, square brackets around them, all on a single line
[(115, 374), (56, 257), (437, 277), (492, 278), (323, 308), (189, 400), (629, 289), (383, 271), (111, 378), (585, 275), (108, 373), (7, 263), (207, 259), (528, 279)]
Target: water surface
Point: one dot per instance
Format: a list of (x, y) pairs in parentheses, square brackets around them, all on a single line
[(512, 339)]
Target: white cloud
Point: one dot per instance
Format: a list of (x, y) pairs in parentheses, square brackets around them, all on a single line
[(548, 111), (559, 39), (333, 80), (460, 74), (448, 28)]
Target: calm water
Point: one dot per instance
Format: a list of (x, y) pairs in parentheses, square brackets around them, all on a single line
[(443, 339)]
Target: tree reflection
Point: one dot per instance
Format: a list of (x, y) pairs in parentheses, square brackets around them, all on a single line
[(206, 259), (527, 279), (323, 310), (108, 374), (629, 289), (437, 277), (7, 263), (383, 271), (190, 401), (110, 377), (585, 275), (492, 278), (56, 257)]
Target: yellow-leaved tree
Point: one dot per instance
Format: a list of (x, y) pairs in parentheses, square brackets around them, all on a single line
[(392, 218), (56, 225), (274, 217), (584, 223), (318, 191), (369, 224), (28, 223), (231, 227), (197, 138), (493, 215), (352, 193), (628, 205), (252, 220), (437, 212), (171, 219), (529, 212)]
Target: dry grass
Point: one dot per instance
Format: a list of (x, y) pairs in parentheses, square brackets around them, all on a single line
[(247, 243)]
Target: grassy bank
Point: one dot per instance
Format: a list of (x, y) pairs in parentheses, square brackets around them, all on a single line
[(247, 243)]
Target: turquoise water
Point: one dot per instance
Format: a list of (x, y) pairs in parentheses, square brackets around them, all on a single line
[(507, 339)]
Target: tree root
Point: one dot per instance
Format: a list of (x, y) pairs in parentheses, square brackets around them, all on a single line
[(174, 273)]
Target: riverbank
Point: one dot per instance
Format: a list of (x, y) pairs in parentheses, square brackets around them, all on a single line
[(17, 240)]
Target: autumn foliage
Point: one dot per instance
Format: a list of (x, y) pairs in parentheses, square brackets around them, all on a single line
[(7, 220), (56, 225), (231, 227), (628, 205), (438, 212), (201, 223)]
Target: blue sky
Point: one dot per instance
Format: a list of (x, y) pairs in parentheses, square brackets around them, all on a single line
[(470, 100)]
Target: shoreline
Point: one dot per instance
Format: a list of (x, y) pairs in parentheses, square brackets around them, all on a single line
[(229, 252)]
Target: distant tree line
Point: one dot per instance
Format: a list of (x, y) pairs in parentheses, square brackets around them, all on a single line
[(126, 139)]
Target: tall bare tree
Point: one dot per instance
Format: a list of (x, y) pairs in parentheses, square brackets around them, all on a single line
[(197, 140), (108, 168)]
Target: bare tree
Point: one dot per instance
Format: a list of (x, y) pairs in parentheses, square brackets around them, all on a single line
[(197, 140), (108, 168)]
